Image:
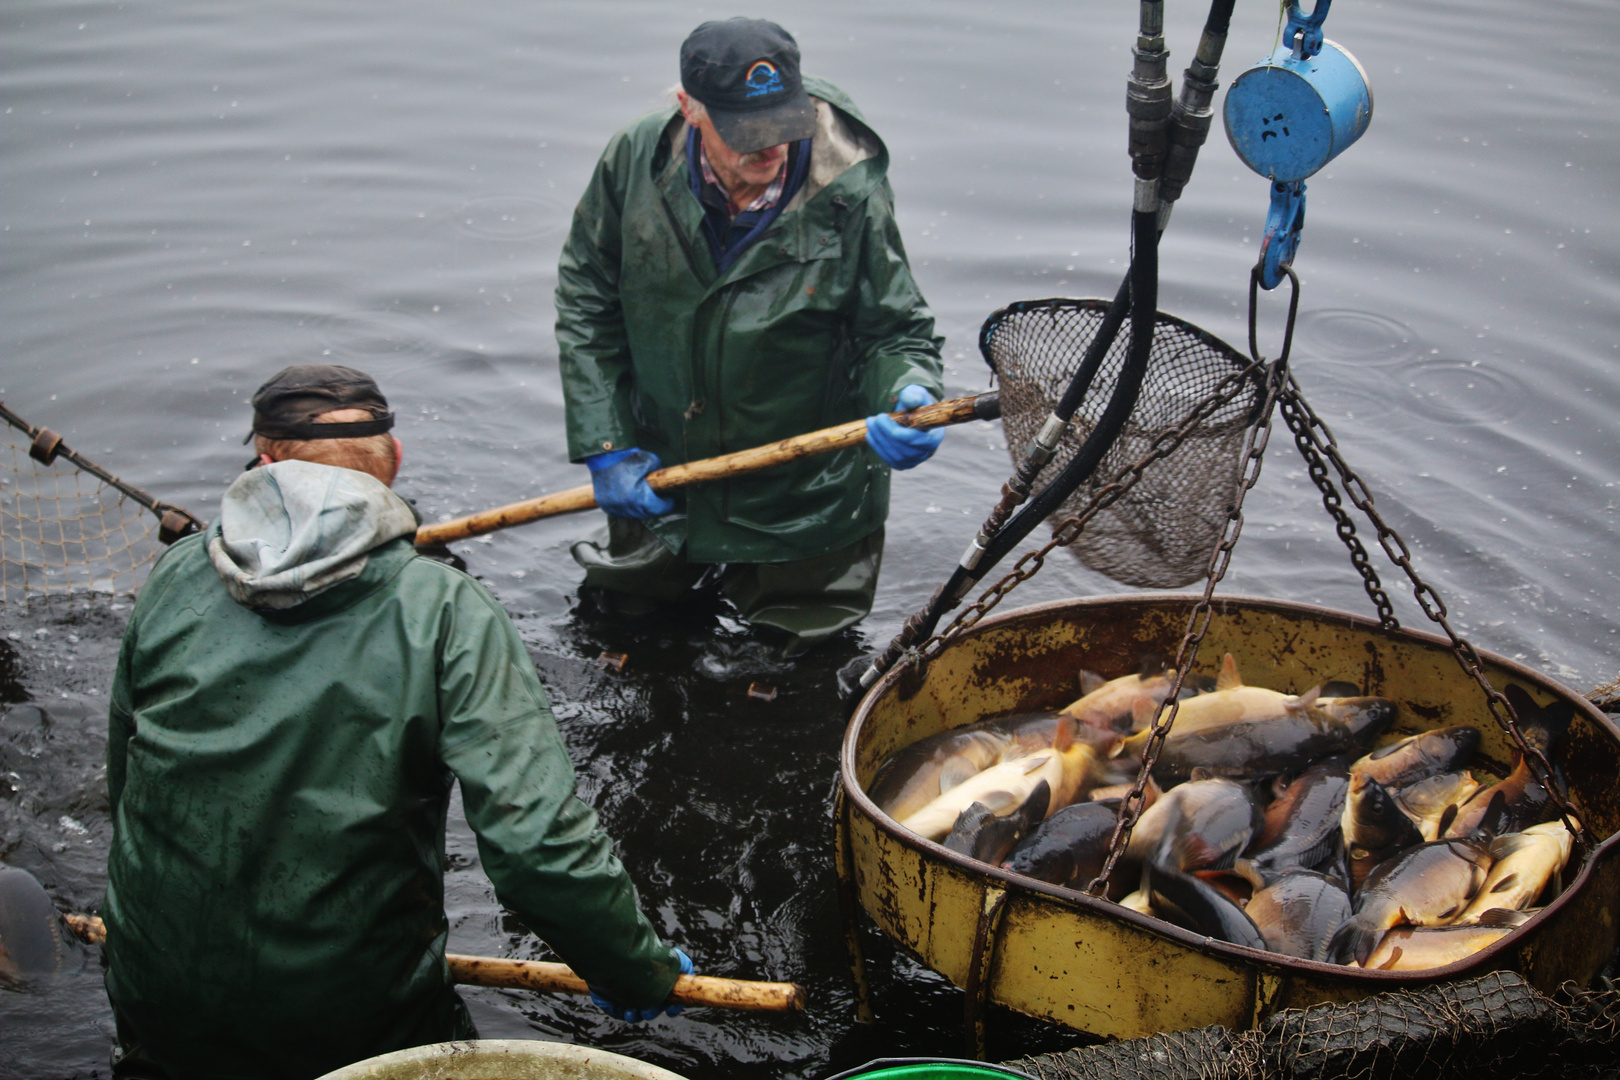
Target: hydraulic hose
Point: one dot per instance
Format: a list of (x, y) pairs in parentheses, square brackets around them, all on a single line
[(1164, 141)]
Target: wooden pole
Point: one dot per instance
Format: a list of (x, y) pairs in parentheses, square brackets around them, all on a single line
[(545, 977), (956, 411), (540, 975)]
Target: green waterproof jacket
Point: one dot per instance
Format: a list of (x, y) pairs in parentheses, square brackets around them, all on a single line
[(819, 322), (279, 782)]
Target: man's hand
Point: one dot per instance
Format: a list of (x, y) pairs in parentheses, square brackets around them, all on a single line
[(897, 446), (619, 481), (635, 1016)]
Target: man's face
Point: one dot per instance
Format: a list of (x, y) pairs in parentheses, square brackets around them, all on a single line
[(733, 169)]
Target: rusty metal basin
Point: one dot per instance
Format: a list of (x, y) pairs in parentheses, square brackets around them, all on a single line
[(1062, 956)]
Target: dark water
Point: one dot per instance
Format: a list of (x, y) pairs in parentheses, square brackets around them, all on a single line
[(195, 195)]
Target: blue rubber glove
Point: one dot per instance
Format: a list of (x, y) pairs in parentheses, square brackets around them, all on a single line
[(635, 1016), (619, 481), (900, 447)]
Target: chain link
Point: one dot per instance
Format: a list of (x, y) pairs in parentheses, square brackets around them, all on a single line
[(1321, 439), (1291, 405), (1203, 611)]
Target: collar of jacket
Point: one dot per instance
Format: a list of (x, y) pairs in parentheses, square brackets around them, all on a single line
[(810, 227)]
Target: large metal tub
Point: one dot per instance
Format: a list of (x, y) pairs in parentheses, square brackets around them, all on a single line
[(1063, 956)]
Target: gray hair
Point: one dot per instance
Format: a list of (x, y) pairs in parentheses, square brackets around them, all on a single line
[(698, 110)]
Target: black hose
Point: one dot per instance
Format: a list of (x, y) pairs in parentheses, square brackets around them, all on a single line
[(1143, 288)]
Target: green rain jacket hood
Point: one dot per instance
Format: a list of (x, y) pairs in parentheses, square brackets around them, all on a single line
[(819, 322), (280, 775)]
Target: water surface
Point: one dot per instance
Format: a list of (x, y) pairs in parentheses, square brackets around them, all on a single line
[(197, 195)]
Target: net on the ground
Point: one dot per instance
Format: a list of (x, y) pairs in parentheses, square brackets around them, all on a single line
[(1160, 534), (1493, 1026), (67, 526)]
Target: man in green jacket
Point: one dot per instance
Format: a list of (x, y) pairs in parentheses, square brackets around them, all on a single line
[(735, 276), (296, 693)]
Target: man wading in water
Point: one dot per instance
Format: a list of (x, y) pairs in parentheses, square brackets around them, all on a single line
[(296, 692), (735, 276)]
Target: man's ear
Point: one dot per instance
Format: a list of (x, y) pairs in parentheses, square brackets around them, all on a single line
[(266, 459)]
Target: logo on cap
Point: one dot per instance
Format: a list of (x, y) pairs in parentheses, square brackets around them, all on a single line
[(763, 79)]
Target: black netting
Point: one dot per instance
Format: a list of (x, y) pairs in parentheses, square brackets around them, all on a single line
[(1491, 1028), (1160, 534)]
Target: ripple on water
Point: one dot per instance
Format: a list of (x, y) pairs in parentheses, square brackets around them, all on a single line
[(378, 334), (510, 217), (1344, 334), (1456, 392)]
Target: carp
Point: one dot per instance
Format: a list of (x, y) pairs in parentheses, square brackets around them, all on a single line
[(1008, 785), (1520, 799), (1109, 704), (1432, 804), (1303, 826), (1197, 906), (1299, 912), (1069, 848), (1418, 757), (1524, 863), (1374, 826), (980, 834), (1428, 885), (1285, 743), (31, 939), (1417, 948), (1231, 702), (918, 774), (1207, 823)]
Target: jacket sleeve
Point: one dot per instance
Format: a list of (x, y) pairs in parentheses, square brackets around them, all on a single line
[(549, 860), (120, 721), (893, 328), (592, 343)]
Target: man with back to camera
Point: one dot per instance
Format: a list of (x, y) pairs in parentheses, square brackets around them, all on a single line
[(734, 276), (296, 691)]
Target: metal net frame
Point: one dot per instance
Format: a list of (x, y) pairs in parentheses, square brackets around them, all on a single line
[(1159, 533), (67, 526)]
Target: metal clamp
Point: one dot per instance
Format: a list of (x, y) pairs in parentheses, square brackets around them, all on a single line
[(1304, 32), (1284, 223)]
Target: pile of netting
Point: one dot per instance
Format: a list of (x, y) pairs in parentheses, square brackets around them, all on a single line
[(67, 526), (1491, 1028)]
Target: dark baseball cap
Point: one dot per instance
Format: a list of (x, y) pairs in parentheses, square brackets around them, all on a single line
[(287, 405), (746, 73)]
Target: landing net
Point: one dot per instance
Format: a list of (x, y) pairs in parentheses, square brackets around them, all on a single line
[(1160, 533), (66, 525), (1493, 1026)]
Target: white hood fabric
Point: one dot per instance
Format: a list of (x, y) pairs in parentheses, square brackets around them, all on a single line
[(293, 529)]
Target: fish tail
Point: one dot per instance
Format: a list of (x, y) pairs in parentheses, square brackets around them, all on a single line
[(1355, 940)]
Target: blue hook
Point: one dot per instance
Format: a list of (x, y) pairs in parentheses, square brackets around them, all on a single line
[(1304, 32), (1284, 223)]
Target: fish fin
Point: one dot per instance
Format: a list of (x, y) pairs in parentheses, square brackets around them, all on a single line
[(957, 768), (1306, 700), (1228, 679), (1035, 762), (1090, 682), (1447, 816), (1143, 712), (1336, 688), (1495, 817), (1355, 940), (1246, 869), (1063, 736), (1506, 883), (1199, 772), (1394, 958), (999, 802), (1503, 846), (1542, 726), (1038, 806), (1498, 916), (1152, 665)]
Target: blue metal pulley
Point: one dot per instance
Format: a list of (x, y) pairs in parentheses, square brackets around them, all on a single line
[(1289, 115)]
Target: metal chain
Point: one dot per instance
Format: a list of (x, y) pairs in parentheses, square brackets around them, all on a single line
[(1220, 559), (1428, 599), (1290, 404), (1070, 529)]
